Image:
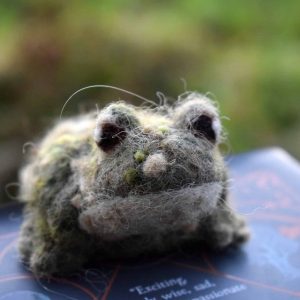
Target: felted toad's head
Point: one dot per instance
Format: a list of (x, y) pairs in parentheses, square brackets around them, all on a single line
[(156, 170)]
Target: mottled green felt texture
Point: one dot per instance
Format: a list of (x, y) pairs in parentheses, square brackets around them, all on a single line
[(127, 181)]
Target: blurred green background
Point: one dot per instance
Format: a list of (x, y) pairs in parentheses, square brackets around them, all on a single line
[(246, 54)]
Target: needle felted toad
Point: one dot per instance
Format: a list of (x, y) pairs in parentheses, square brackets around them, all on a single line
[(124, 182)]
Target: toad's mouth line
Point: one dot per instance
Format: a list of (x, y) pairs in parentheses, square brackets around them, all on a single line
[(209, 189), (120, 217), (193, 187)]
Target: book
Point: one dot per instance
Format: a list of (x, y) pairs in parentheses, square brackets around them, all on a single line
[(265, 188)]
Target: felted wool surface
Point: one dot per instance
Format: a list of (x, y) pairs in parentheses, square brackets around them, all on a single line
[(126, 181)]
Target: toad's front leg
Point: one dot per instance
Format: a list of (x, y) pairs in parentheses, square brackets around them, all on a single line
[(223, 228), (58, 258), (53, 250)]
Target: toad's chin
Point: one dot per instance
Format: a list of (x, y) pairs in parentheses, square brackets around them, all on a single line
[(118, 218)]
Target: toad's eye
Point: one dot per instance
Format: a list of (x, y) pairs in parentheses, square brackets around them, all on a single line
[(200, 116), (109, 135), (202, 126), (113, 125)]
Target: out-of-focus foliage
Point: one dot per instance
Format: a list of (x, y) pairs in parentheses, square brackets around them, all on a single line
[(245, 53)]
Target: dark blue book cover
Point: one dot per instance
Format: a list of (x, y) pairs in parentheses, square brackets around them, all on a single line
[(265, 188)]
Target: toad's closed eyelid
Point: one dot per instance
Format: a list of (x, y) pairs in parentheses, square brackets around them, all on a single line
[(120, 114)]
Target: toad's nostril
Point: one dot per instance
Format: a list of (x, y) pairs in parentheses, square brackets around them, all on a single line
[(154, 165)]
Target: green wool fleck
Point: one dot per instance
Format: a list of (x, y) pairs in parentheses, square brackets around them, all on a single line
[(139, 156), (131, 175), (43, 227), (163, 129)]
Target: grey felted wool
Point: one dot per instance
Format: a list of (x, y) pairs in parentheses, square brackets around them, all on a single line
[(126, 181)]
